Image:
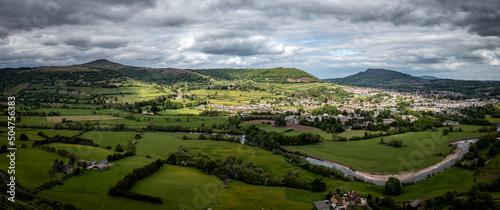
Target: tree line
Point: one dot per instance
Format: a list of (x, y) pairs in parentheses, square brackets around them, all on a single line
[(123, 186), (233, 167)]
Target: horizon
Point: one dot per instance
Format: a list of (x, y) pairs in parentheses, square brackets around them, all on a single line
[(328, 39)]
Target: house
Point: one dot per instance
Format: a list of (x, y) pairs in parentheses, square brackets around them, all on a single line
[(415, 204), (104, 161), (388, 121), (292, 119), (450, 123), (322, 205), (351, 199)]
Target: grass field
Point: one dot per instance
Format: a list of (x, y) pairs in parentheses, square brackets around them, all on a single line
[(492, 120), (88, 153), (180, 112), (65, 111), (56, 119), (419, 150), (33, 166), (180, 187), (90, 190), (239, 195), (15, 90), (491, 170), (452, 179), (33, 134)]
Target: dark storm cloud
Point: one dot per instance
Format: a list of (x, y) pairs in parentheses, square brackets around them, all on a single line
[(110, 43), (29, 14), (81, 42), (326, 37)]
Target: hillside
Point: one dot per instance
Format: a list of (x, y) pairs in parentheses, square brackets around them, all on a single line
[(380, 77), (261, 75), (428, 77), (104, 64)]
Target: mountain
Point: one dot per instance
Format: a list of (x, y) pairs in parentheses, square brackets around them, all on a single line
[(104, 64), (426, 77), (380, 77), (279, 74)]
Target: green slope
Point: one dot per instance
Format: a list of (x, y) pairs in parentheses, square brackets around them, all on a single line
[(380, 77), (261, 75)]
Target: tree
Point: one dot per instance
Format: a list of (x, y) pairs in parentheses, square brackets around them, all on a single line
[(24, 137), (393, 186), (280, 121), (445, 131), (119, 148), (317, 184), (139, 110), (481, 160)]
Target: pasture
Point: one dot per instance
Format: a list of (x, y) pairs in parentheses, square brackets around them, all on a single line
[(88, 153), (239, 195), (57, 119), (180, 187), (33, 166), (420, 149), (66, 112), (180, 112), (15, 90)]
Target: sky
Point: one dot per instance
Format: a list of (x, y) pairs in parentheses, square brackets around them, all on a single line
[(456, 39)]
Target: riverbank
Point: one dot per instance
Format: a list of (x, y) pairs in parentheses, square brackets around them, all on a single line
[(380, 179)]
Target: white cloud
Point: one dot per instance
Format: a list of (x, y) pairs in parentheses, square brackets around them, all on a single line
[(234, 61)]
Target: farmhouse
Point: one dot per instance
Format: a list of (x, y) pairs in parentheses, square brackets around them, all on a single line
[(388, 121), (322, 205), (292, 119), (415, 204), (450, 123)]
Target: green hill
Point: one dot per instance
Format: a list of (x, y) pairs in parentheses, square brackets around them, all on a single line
[(279, 74), (380, 77)]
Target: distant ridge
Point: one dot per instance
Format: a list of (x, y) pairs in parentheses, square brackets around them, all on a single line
[(428, 77), (104, 64), (279, 74), (380, 77)]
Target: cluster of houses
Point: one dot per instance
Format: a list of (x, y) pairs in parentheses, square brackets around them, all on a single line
[(352, 200), (348, 201), (101, 165)]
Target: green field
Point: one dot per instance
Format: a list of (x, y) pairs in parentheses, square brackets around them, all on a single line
[(33, 166), (88, 153), (418, 151), (239, 195), (180, 112), (492, 120), (33, 134), (180, 187), (65, 111), (90, 190), (15, 90)]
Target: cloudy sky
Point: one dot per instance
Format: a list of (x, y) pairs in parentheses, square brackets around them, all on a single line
[(445, 38)]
